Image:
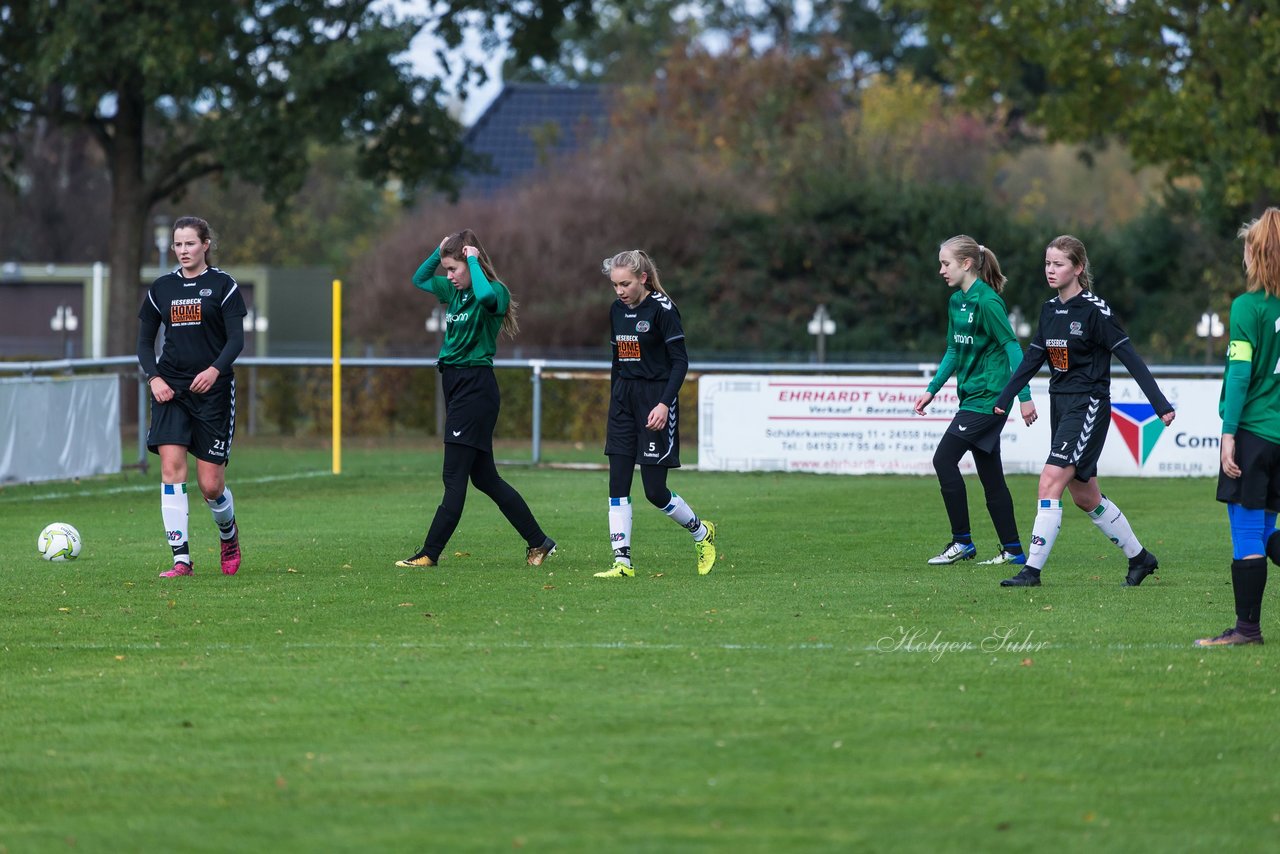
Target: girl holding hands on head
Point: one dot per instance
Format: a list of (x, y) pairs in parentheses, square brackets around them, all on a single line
[(1078, 334), (982, 352), (479, 306)]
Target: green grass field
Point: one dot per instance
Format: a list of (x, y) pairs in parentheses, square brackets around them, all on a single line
[(822, 689)]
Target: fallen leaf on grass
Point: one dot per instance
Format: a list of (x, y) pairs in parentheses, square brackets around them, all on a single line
[(405, 605), (1026, 662), (462, 554)]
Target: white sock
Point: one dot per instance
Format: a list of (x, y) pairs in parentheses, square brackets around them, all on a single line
[(1044, 531), (173, 509), (620, 529), (224, 513), (1111, 521), (679, 510)]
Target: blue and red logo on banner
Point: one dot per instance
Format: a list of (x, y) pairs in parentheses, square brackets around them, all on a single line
[(1139, 426)]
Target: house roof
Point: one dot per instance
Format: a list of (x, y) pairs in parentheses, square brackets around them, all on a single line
[(531, 124)]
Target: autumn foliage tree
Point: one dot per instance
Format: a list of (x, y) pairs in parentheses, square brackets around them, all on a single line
[(1189, 86)]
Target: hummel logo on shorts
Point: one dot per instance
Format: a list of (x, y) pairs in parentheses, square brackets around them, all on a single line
[(457, 432), (961, 427)]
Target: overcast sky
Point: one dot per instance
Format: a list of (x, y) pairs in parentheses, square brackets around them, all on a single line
[(422, 55)]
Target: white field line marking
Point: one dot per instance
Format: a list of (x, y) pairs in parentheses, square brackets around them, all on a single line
[(149, 487), (638, 646)]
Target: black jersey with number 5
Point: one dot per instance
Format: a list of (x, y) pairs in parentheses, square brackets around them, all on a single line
[(195, 314), (641, 335)]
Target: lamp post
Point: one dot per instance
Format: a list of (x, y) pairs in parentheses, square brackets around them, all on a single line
[(1018, 322), (1209, 328), (254, 323), (436, 324), (821, 325), (162, 240), (64, 320)]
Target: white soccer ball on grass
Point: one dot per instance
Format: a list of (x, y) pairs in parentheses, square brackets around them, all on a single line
[(58, 541)]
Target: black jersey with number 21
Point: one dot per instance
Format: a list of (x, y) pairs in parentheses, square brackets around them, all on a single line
[(194, 314)]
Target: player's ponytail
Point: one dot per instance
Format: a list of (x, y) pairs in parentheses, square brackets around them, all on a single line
[(985, 264), (1074, 249), (453, 246), (1262, 252), (637, 262)]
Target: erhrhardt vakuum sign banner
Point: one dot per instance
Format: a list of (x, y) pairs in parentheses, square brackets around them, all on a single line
[(867, 425)]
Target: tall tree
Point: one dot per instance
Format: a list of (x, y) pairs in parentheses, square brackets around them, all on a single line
[(1186, 85), (173, 92)]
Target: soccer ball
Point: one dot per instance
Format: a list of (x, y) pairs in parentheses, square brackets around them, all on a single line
[(59, 541)]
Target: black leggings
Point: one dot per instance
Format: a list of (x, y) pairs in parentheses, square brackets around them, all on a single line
[(946, 462), (622, 468), (463, 462)]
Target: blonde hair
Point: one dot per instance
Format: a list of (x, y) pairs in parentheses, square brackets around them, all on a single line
[(985, 264), (1262, 252), (452, 248), (1073, 248), (637, 262)]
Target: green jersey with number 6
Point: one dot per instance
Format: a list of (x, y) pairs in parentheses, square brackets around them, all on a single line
[(981, 347), (1255, 338)]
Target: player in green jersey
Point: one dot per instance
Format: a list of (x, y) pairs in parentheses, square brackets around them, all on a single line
[(982, 353), (1249, 480), (479, 306)]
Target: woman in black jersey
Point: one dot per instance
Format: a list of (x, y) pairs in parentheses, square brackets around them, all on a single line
[(1078, 334), (193, 387), (479, 307), (649, 366)]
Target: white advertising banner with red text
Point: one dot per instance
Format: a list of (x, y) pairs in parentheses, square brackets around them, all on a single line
[(867, 425)]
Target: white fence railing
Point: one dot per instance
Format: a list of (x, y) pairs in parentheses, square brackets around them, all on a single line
[(537, 368)]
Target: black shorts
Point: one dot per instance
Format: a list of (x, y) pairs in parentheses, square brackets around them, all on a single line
[(202, 423), (981, 430), (1079, 424), (471, 402), (1258, 486), (630, 403)]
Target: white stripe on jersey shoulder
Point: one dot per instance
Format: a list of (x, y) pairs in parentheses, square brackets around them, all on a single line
[(1098, 301), (662, 300), (230, 278)]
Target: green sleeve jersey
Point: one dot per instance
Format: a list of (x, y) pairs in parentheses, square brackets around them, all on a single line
[(1255, 338), (473, 318), (979, 327)]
